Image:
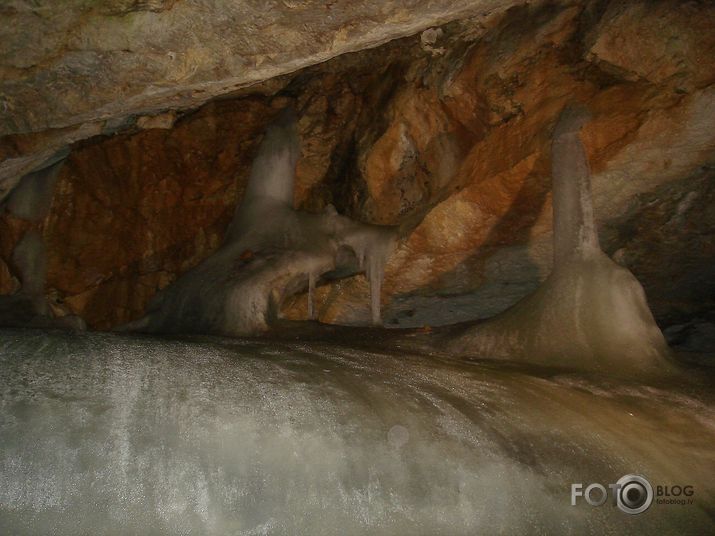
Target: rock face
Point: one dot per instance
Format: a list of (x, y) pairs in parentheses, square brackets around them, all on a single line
[(80, 68), (445, 134)]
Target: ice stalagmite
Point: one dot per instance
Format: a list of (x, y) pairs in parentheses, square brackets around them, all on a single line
[(28, 305), (589, 313), (271, 251)]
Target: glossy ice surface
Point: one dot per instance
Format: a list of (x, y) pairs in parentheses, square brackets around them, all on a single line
[(110, 434)]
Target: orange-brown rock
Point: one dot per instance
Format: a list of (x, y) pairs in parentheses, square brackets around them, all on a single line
[(131, 212), (501, 104), (448, 137)]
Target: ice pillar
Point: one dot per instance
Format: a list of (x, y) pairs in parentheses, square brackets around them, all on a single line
[(574, 227), (590, 312)]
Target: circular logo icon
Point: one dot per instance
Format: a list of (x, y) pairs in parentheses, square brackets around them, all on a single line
[(635, 494)]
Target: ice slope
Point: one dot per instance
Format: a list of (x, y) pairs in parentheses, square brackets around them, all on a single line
[(108, 434)]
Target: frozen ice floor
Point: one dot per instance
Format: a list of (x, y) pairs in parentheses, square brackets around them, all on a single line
[(110, 434)]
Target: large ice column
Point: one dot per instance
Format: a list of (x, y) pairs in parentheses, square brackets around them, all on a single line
[(273, 169), (574, 229), (29, 259), (29, 305), (25, 306), (271, 251), (30, 200), (589, 313), (270, 184), (32, 197)]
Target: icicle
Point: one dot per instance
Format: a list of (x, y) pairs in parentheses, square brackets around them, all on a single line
[(311, 296), (374, 275), (377, 253), (360, 254)]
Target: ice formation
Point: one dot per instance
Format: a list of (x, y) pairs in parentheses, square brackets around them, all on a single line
[(590, 312), (114, 434), (271, 251), (29, 259), (30, 200), (29, 305)]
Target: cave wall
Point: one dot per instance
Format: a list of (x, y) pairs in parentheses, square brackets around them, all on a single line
[(74, 69), (446, 134), (486, 241), (130, 212)]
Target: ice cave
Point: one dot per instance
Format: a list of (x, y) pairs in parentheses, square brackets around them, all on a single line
[(357, 268)]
